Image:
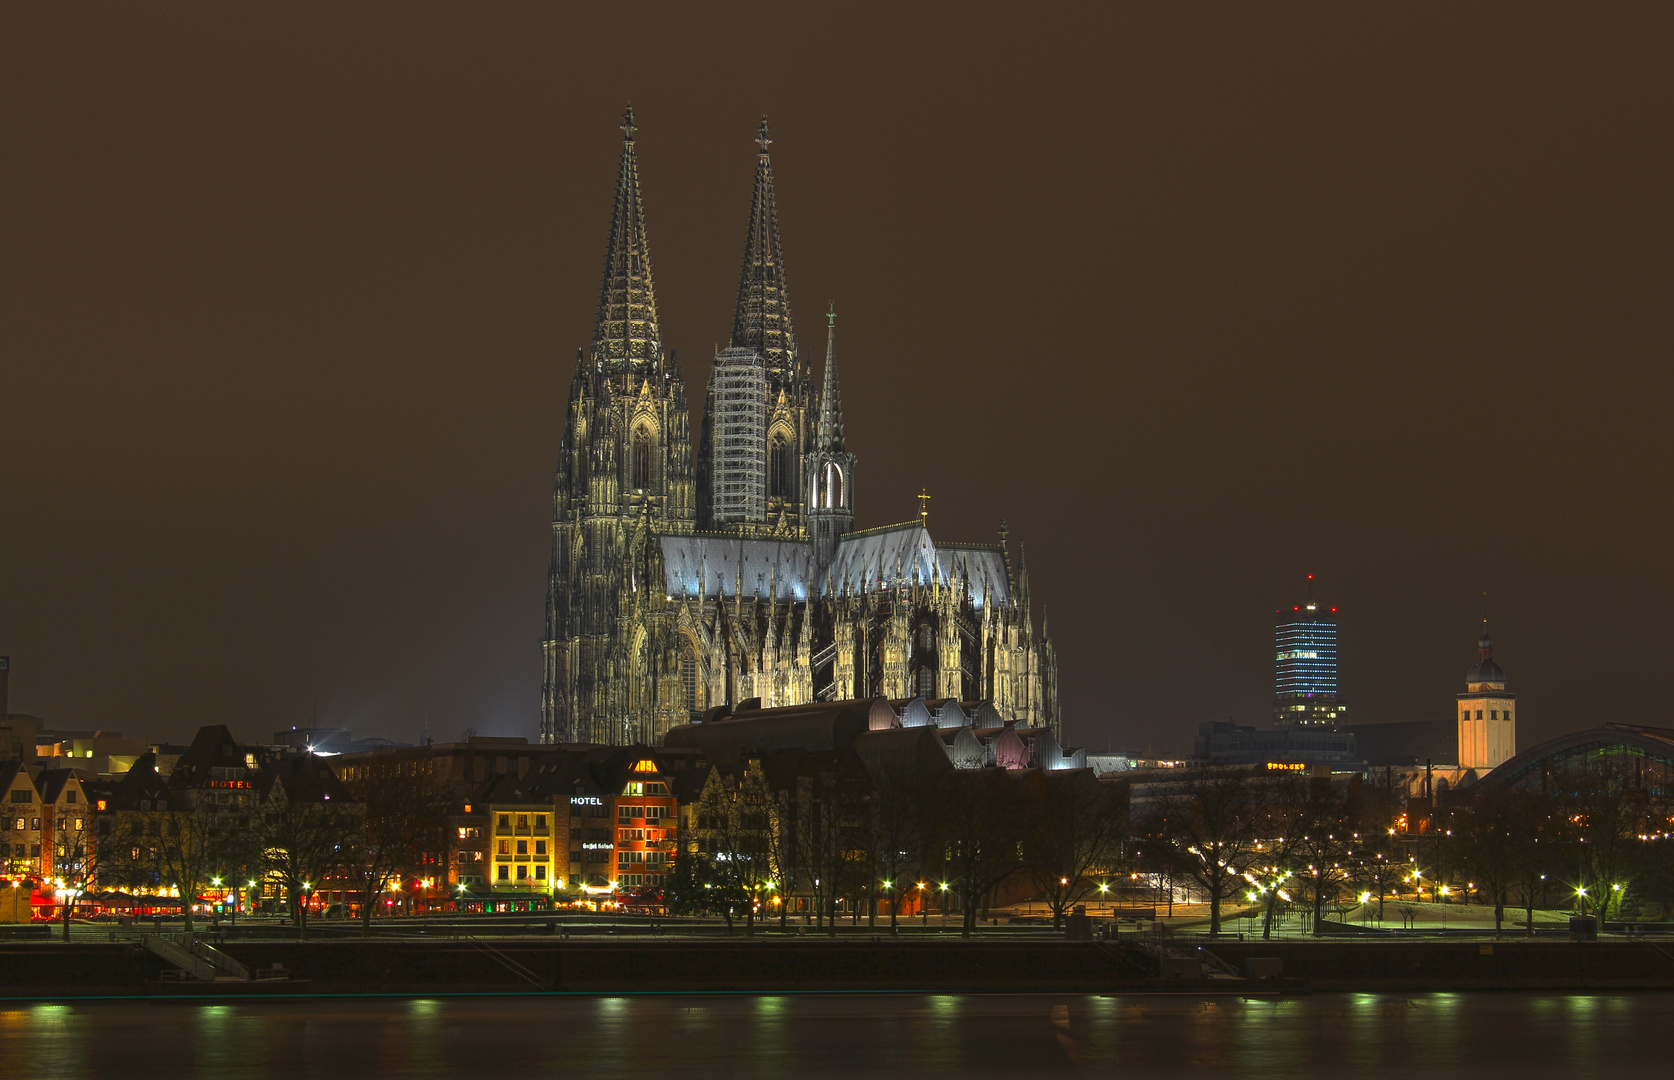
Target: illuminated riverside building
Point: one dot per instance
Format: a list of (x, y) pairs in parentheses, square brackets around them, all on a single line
[(646, 826), (1305, 692), (524, 844)]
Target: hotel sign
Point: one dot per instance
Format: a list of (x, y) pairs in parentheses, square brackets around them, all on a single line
[(585, 800)]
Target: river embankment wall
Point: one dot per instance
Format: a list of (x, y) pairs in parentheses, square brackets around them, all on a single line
[(417, 967)]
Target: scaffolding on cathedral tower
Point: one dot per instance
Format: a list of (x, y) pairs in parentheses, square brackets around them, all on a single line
[(738, 391)]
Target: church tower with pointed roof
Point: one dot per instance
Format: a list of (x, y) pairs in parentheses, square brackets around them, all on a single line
[(752, 458), (624, 471), (1487, 726)]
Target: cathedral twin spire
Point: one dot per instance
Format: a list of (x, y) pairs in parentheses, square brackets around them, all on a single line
[(627, 335), (762, 322)]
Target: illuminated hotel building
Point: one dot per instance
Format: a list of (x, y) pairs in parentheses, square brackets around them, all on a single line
[(1305, 669), (646, 827)]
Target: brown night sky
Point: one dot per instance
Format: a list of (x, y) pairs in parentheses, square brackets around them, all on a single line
[(1199, 298)]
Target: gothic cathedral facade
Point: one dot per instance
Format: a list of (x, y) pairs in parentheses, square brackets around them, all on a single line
[(688, 574)]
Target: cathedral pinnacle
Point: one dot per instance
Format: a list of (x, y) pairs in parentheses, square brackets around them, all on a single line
[(626, 334), (762, 322), (831, 398)]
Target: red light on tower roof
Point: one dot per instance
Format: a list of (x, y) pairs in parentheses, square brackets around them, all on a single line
[(1310, 577), (1333, 611)]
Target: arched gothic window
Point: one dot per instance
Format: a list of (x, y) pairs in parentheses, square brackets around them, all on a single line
[(642, 459), (926, 662), (831, 487), (779, 470), (688, 675)]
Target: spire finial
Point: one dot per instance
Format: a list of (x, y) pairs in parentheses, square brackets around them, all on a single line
[(923, 498), (830, 431), (762, 320), (626, 333)]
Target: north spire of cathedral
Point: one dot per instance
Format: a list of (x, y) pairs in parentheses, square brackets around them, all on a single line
[(627, 334), (831, 397), (762, 322)]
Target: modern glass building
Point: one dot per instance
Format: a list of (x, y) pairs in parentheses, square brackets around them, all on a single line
[(1305, 690)]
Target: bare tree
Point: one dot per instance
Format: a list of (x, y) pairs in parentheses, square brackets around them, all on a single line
[(897, 821), (1076, 829), (306, 835), (980, 821), (1323, 850), (402, 830), (1214, 823), (733, 831), (182, 838)]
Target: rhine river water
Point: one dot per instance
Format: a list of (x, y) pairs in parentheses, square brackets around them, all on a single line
[(1473, 1035)]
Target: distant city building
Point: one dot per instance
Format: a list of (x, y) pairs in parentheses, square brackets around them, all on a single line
[(1305, 692), (1405, 745), (331, 740), (1221, 742), (1487, 726)]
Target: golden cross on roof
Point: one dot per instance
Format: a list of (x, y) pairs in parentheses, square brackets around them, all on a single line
[(923, 498)]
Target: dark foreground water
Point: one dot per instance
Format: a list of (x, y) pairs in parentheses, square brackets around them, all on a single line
[(1476, 1035)]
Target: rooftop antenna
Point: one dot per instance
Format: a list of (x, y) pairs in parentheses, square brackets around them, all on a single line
[(1311, 604)]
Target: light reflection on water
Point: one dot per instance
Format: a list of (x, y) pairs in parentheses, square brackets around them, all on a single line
[(1428, 1035)]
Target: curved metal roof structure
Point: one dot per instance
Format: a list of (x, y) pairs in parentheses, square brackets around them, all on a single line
[(1562, 754)]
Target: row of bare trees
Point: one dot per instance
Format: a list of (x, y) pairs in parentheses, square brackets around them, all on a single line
[(875, 840), (1599, 842), (388, 830)]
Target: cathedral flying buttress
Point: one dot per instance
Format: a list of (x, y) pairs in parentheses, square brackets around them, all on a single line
[(688, 574)]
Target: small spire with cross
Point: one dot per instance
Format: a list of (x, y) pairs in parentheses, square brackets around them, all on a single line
[(628, 126), (761, 136), (923, 498)]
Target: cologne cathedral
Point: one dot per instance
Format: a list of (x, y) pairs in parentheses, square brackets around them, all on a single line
[(693, 573)]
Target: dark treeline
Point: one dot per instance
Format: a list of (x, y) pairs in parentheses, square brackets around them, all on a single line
[(1596, 841), (878, 842)]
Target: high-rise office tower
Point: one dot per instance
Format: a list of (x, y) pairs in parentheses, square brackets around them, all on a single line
[(1305, 671)]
